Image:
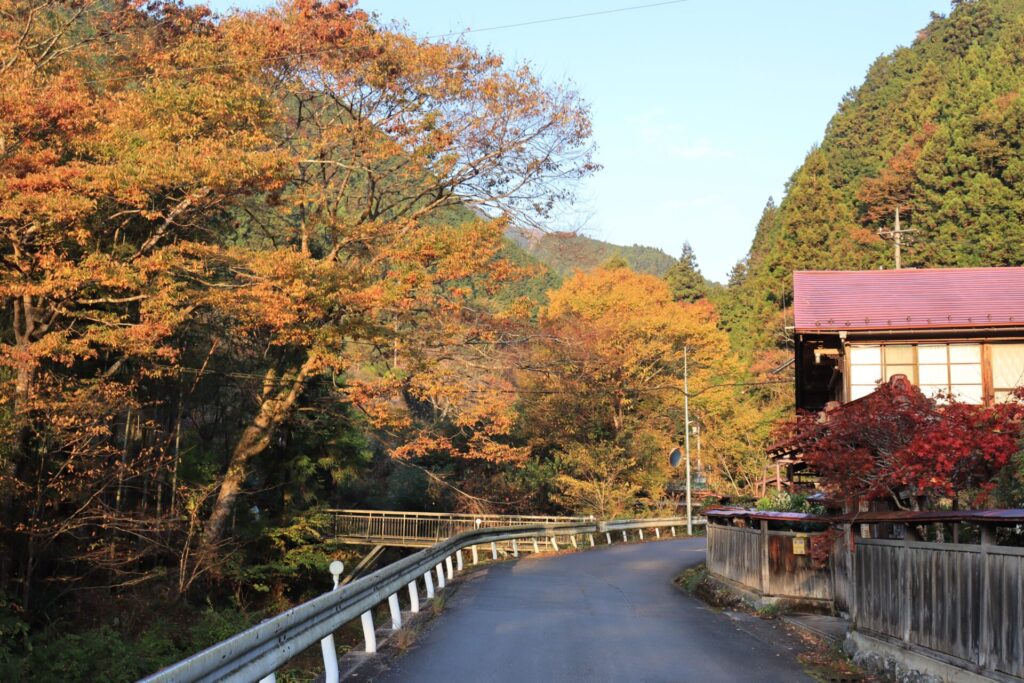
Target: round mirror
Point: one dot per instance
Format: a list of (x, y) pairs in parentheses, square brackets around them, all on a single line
[(675, 457), (337, 567)]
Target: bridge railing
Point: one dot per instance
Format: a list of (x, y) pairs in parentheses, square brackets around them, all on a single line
[(422, 528), (256, 653)]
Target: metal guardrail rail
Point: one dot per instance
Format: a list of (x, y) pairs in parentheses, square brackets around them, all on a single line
[(256, 653), (421, 529)]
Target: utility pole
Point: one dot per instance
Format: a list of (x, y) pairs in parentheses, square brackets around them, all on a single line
[(896, 234), (700, 467), (686, 412)]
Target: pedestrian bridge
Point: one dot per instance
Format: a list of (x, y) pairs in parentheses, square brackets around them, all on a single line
[(422, 529), (258, 652)]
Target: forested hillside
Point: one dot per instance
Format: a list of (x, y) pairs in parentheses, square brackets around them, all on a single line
[(934, 131), (565, 252)]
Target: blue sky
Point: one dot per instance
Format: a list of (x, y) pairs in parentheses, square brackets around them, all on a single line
[(701, 109)]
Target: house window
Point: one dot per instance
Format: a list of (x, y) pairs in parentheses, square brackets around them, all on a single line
[(865, 370), (950, 368), (935, 368), (1007, 369)]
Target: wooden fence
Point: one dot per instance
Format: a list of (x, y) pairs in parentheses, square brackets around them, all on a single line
[(734, 553), (763, 560), (961, 602)]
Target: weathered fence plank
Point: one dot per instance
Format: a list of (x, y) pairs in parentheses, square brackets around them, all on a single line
[(960, 600), (792, 575), (735, 554)]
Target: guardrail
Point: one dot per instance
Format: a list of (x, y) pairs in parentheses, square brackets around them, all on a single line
[(256, 653)]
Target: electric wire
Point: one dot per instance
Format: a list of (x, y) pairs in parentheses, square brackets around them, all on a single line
[(451, 34)]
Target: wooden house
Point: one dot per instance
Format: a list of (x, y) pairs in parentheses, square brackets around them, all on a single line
[(956, 331)]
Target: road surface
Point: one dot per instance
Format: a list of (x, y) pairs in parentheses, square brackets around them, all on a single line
[(610, 614)]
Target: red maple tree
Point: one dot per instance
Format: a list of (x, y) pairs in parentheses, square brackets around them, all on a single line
[(899, 444)]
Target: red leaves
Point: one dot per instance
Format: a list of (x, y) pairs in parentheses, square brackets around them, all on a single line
[(821, 546), (898, 443)]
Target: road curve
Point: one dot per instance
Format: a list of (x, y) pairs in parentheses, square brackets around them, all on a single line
[(610, 614)]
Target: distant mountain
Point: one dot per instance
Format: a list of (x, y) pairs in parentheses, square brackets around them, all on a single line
[(565, 252)]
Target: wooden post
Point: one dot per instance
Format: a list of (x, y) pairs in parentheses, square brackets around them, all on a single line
[(905, 617), (985, 635), (764, 557)]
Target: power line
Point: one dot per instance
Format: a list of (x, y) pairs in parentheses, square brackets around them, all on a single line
[(312, 53), (567, 17)]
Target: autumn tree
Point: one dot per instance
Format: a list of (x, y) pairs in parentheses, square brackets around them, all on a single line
[(598, 479), (893, 189), (114, 148), (360, 269), (607, 380)]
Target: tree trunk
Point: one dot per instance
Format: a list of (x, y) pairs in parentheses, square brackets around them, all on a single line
[(11, 465), (279, 396)]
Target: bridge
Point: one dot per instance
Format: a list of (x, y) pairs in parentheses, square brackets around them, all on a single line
[(424, 529), (609, 614)]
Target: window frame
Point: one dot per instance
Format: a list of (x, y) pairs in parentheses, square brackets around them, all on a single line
[(984, 363)]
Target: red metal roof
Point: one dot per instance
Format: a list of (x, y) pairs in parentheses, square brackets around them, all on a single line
[(927, 298)]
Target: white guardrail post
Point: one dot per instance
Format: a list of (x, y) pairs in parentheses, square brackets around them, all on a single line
[(258, 652), (396, 612), (330, 653), (414, 597), (369, 633)]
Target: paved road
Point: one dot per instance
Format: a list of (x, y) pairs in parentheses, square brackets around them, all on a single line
[(605, 615)]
